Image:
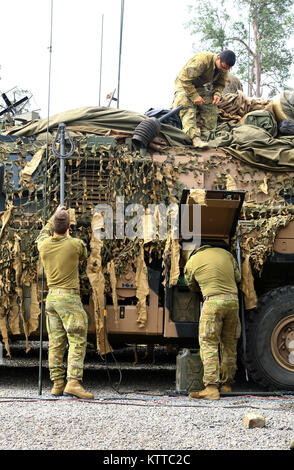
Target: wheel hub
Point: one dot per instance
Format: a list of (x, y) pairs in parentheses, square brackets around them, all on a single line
[(282, 343)]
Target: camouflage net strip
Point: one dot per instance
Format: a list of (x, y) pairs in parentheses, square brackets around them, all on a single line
[(234, 106)]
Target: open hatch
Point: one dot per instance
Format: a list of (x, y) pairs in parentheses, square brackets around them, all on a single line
[(218, 211)]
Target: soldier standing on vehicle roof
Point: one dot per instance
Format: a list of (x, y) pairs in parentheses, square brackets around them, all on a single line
[(66, 319), (216, 272), (203, 71)]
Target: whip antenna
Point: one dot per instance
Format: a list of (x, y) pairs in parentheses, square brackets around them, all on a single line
[(45, 204), (120, 49)]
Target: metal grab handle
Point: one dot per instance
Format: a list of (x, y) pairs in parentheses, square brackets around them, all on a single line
[(242, 308), (62, 131)]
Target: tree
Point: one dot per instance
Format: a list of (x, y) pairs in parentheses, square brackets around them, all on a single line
[(257, 31)]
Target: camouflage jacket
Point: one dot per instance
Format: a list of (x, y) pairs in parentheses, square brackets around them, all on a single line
[(215, 270), (198, 71)]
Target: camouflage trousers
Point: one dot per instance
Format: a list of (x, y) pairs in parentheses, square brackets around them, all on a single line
[(196, 118), (67, 323), (219, 330)]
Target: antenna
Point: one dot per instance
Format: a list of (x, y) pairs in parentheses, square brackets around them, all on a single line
[(120, 48), (40, 379)]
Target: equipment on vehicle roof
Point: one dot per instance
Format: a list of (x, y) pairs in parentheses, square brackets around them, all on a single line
[(148, 129)]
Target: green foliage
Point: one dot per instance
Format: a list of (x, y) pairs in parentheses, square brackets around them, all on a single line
[(211, 23), (258, 32)]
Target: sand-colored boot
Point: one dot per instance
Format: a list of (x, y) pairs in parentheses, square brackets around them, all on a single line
[(58, 387), (197, 142), (209, 393), (74, 389), (226, 388)]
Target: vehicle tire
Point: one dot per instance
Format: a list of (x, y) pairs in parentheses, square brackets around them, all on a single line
[(270, 340)]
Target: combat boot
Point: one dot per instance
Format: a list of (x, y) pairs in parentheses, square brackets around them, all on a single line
[(209, 393), (58, 387), (74, 389), (197, 142), (226, 388)]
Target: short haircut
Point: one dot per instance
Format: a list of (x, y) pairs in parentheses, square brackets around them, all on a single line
[(61, 222), (228, 57)]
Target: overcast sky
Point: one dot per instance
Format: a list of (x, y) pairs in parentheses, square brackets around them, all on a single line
[(155, 46)]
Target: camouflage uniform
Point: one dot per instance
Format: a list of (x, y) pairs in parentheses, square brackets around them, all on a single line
[(198, 77), (66, 320), (219, 325), (216, 272)]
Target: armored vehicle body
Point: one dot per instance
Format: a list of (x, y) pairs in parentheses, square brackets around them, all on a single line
[(141, 213)]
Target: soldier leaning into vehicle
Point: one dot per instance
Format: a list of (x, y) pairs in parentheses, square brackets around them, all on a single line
[(216, 272), (204, 71), (65, 317)]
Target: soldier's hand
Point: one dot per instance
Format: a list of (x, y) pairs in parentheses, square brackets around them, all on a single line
[(60, 208), (216, 99), (199, 101)]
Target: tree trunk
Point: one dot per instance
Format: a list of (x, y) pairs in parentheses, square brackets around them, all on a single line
[(257, 64), (251, 93)]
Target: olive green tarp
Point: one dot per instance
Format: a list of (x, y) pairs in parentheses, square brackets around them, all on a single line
[(247, 130), (249, 143), (287, 103), (100, 121), (255, 146), (264, 119)]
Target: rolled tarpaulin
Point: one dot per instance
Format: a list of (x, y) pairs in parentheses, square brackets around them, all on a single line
[(283, 106)]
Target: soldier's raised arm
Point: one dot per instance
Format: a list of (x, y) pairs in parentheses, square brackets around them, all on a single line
[(46, 232)]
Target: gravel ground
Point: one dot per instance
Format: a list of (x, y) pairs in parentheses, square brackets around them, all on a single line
[(143, 413)]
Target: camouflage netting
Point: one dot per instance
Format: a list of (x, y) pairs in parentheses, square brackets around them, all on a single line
[(97, 173), (94, 175)]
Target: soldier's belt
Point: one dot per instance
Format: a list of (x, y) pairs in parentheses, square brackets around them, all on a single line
[(59, 290), (221, 296)]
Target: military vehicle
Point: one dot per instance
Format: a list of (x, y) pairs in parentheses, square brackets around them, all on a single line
[(134, 289)]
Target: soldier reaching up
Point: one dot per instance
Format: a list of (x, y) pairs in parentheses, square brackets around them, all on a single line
[(65, 317)]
